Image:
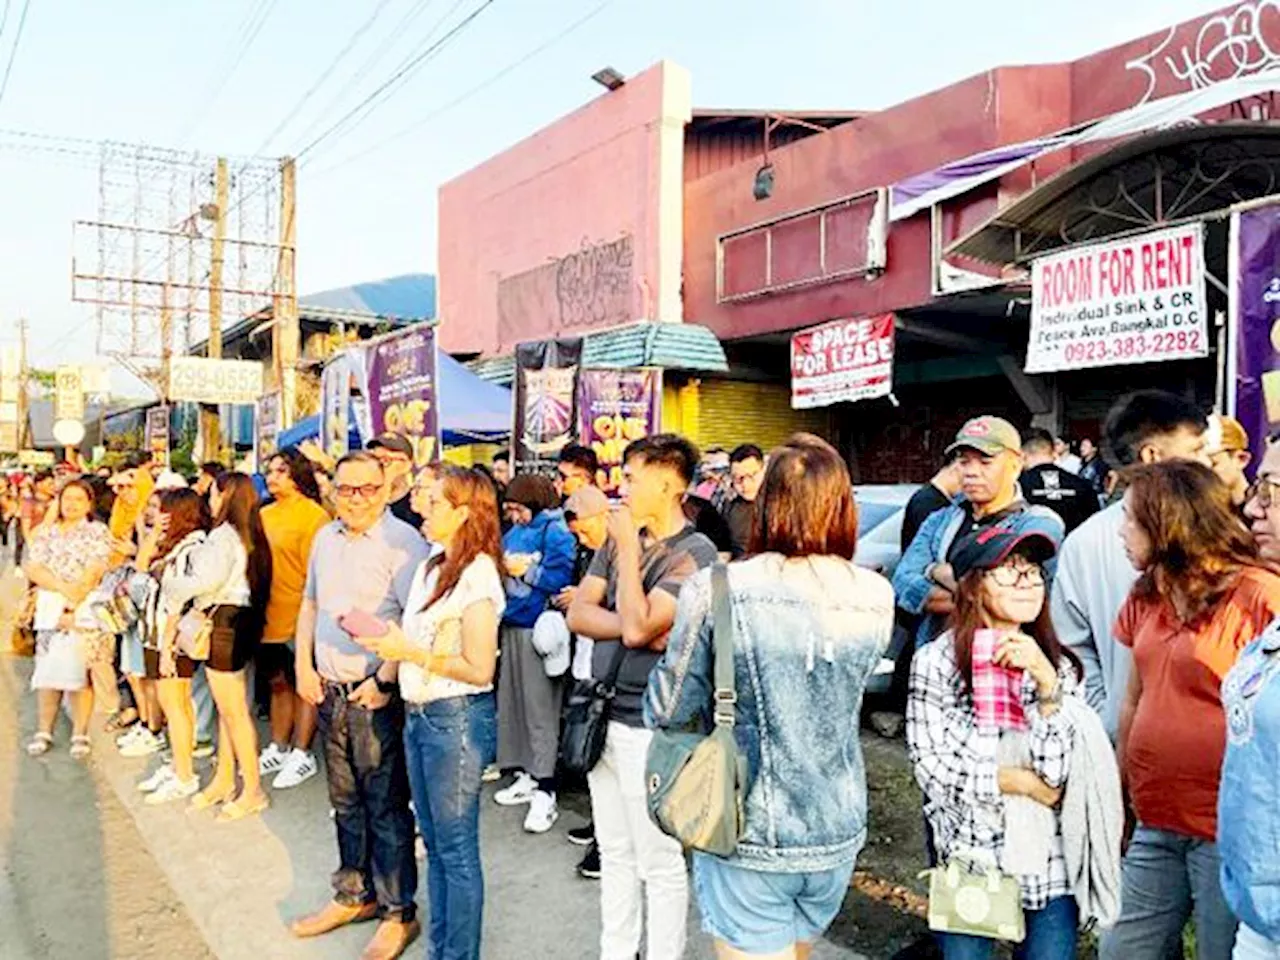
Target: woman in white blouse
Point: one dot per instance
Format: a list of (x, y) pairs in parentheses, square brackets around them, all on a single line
[(447, 651)]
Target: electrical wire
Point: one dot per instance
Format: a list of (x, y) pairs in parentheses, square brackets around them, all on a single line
[(248, 33), (473, 91), (13, 54), (4, 17)]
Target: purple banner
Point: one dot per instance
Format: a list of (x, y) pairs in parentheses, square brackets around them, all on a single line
[(1255, 304), (616, 407), (401, 390)]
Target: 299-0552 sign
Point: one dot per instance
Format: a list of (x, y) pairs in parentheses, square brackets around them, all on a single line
[(1137, 300)]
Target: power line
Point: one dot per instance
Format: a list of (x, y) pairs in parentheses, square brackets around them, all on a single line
[(473, 91), (325, 74), (4, 17), (13, 54), (248, 33), (406, 71)]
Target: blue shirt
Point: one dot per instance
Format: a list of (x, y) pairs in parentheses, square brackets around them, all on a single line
[(1248, 815), (371, 572)]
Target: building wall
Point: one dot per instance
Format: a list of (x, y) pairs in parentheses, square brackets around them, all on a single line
[(595, 200)]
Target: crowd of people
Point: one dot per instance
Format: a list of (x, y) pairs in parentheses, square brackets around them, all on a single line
[(1090, 716)]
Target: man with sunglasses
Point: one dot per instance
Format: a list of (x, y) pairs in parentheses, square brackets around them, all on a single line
[(1262, 504), (362, 563)]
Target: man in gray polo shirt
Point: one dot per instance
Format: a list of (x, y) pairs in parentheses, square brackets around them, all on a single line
[(364, 561)]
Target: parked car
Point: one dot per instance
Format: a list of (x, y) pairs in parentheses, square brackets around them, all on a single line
[(880, 512)]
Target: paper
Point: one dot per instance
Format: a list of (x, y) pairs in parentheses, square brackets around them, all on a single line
[(49, 608)]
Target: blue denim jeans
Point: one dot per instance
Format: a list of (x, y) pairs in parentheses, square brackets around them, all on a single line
[(1167, 879), (1051, 935), (448, 743), (369, 791)]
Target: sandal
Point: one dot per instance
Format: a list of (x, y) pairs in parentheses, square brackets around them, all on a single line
[(236, 810), (81, 747), (39, 744), (208, 797), (116, 724)]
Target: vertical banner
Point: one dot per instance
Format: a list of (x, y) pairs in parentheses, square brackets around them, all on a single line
[(616, 407), (400, 389), (10, 372), (335, 406), (267, 428), (157, 434), (1253, 387), (68, 395), (544, 400)]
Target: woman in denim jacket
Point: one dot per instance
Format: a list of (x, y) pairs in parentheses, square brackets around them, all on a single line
[(809, 626)]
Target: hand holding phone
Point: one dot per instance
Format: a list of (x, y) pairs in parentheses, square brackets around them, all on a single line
[(359, 624)]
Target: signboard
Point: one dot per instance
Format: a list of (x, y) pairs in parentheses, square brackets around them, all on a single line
[(401, 390), (68, 394), (544, 399), (10, 372), (201, 380), (35, 458), (157, 434), (335, 406), (842, 361), (10, 440), (616, 407), (1253, 357), (1137, 300), (267, 427)]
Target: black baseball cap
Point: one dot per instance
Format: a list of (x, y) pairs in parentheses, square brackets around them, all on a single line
[(393, 442), (1037, 535)]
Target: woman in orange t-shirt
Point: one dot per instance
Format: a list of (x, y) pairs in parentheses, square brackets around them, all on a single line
[(1202, 596)]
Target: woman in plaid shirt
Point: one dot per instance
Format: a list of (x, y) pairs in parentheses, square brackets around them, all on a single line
[(998, 671)]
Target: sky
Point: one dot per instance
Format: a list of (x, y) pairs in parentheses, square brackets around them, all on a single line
[(221, 76)]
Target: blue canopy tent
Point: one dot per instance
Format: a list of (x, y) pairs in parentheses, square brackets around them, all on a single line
[(472, 410)]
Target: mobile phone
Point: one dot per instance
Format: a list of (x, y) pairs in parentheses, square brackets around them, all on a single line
[(997, 690), (358, 623)]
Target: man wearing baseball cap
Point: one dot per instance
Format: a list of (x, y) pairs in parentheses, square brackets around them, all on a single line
[(988, 451), (395, 453), (1227, 446)]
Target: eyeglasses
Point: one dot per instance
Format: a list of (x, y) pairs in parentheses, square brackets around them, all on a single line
[(1264, 491), (368, 491), (1007, 576)]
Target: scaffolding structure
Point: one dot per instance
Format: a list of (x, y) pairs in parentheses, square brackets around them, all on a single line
[(182, 243)]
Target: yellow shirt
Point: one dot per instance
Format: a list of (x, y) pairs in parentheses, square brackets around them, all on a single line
[(291, 527)]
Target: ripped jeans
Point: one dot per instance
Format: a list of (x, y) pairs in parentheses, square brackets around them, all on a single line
[(448, 743)]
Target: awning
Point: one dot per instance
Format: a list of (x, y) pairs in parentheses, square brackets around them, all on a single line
[(920, 192)]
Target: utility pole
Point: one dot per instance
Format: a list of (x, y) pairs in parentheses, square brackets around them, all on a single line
[(210, 423), (24, 409), (287, 335)]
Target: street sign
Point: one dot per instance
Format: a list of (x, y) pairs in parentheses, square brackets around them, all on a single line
[(157, 434), (69, 433), (201, 380), (68, 394)]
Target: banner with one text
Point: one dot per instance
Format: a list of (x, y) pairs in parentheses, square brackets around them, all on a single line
[(401, 390), (544, 401), (1136, 300), (335, 406), (842, 361), (616, 407), (1253, 388)]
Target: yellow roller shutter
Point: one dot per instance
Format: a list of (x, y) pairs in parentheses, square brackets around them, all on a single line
[(731, 412)]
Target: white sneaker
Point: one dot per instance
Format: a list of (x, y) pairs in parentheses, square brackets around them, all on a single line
[(163, 774), (146, 744), (543, 813), (132, 734), (299, 767), (173, 789), (491, 774), (519, 793), (272, 759)]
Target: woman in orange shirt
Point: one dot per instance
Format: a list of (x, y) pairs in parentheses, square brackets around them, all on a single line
[(1203, 595)]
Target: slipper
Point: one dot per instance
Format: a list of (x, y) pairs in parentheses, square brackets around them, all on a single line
[(207, 798), (81, 747), (235, 810), (39, 744)]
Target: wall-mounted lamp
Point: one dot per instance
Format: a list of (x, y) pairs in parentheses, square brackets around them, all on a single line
[(609, 78), (762, 189)]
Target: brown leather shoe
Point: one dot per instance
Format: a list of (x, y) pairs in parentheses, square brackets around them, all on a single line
[(331, 917), (392, 939)]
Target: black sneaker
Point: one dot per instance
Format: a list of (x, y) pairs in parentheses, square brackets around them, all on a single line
[(583, 836), (589, 868)]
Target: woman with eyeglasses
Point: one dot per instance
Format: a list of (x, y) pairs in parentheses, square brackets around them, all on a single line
[(1203, 594), (447, 650), (988, 737)]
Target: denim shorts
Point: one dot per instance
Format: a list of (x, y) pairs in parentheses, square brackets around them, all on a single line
[(757, 912)]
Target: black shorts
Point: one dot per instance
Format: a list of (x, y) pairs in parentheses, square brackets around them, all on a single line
[(186, 666), (234, 640), (275, 660)]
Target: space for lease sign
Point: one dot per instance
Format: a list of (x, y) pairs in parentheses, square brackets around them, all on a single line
[(842, 361), (1137, 300)]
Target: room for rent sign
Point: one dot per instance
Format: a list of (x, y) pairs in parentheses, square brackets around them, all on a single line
[(1136, 300), (842, 361)]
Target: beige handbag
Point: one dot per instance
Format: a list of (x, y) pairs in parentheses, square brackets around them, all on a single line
[(976, 900)]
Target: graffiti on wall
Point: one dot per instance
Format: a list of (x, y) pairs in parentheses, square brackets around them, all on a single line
[(1232, 44), (592, 288)]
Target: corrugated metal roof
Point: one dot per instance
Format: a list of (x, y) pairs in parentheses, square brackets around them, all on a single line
[(673, 346)]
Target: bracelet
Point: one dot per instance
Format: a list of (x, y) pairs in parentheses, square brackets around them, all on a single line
[(1053, 699), (386, 686)]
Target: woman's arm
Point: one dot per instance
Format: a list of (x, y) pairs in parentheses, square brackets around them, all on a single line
[(554, 571), (1128, 710), (479, 654), (44, 578), (209, 565)]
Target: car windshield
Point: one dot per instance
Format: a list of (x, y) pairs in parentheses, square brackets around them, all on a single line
[(871, 515)]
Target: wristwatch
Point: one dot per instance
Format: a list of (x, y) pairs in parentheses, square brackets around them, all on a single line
[(386, 686), (1053, 699)]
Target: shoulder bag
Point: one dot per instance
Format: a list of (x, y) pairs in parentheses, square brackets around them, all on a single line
[(696, 783), (967, 897), (586, 718)]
